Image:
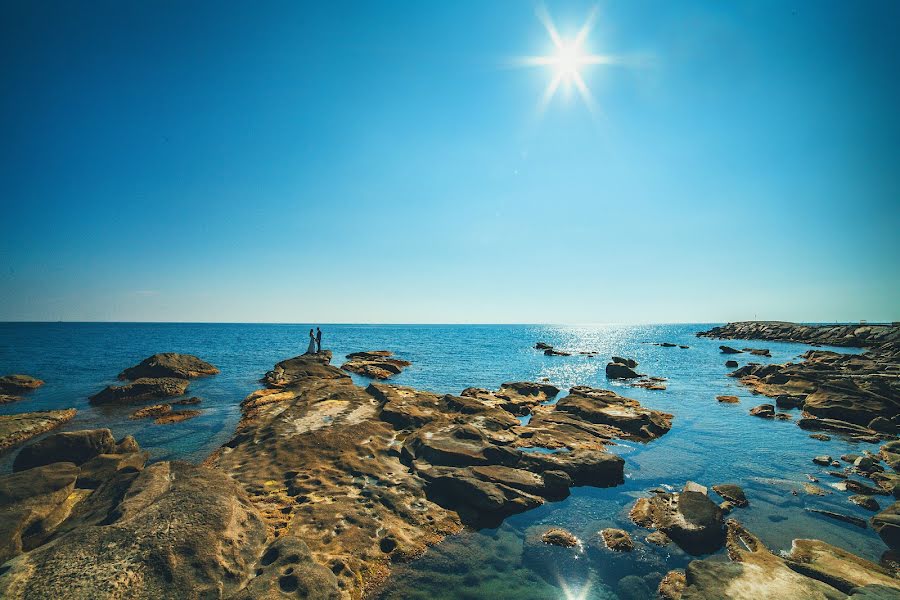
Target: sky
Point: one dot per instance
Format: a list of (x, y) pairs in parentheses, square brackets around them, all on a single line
[(394, 162)]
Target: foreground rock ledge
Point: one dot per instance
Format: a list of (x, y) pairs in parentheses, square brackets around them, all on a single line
[(15, 429), (369, 476)]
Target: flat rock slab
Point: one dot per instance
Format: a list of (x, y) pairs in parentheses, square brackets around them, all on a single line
[(376, 364), (15, 429), (139, 390), (18, 384), (169, 364)]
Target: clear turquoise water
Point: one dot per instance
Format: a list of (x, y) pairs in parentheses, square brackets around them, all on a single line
[(709, 443)]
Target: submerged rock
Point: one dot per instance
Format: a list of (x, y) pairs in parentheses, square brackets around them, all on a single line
[(559, 537), (176, 416), (140, 390), (157, 410), (689, 518), (18, 428), (169, 364), (839, 517)]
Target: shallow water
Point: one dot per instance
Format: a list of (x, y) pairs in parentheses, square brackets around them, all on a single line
[(709, 443)]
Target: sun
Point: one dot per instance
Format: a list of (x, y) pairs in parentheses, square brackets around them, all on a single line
[(569, 59)]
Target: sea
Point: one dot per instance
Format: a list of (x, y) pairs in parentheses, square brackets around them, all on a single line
[(710, 442)]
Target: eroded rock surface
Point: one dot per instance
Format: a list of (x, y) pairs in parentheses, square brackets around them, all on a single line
[(376, 364), (18, 428), (145, 388), (69, 446), (169, 364), (369, 476)]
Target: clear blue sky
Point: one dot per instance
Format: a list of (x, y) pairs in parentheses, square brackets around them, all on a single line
[(385, 162)]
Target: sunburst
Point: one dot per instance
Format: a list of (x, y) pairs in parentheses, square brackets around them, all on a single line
[(568, 60)]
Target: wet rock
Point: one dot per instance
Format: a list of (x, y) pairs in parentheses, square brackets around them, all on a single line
[(758, 351), (765, 411), (887, 525), (554, 352), (658, 538), (839, 517), (882, 425), (169, 364), (667, 344), (729, 350), (71, 446), (733, 493), (838, 568), (823, 460), (376, 364), (861, 488), (157, 410), (18, 428), (559, 537), (690, 519), (672, 586), (628, 362), (632, 587), (187, 401), (18, 384), (814, 490), (616, 370), (731, 364), (833, 425), (788, 401), (140, 550), (140, 390), (617, 539), (32, 504), (866, 502), (608, 408), (728, 399), (542, 346), (820, 436), (176, 416)]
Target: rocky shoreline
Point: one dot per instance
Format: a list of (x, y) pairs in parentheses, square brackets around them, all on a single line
[(327, 484)]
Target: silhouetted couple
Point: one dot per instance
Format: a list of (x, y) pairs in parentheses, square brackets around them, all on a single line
[(315, 342)]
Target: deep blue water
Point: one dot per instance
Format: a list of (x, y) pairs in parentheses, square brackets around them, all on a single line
[(709, 443)]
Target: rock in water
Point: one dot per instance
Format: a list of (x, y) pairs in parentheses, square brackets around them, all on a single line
[(15, 429), (134, 548), (732, 493), (616, 370), (628, 362), (887, 525), (140, 390), (728, 399), (176, 416), (689, 518), (559, 537), (157, 410), (618, 540), (70, 446), (18, 384), (729, 350), (731, 364), (32, 503), (169, 364), (765, 411)]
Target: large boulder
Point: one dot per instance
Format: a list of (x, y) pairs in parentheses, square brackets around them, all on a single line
[(32, 503), (616, 370), (176, 531), (169, 364), (887, 525), (15, 429), (17, 384), (145, 388), (69, 446), (689, 518)]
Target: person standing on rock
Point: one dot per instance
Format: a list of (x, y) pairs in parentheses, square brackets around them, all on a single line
[(311, 349), (318, 340)]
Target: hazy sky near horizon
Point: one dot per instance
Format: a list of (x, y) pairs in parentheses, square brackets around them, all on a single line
[(388, 162)]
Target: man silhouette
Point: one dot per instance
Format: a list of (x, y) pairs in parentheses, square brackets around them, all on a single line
[(318, 340)]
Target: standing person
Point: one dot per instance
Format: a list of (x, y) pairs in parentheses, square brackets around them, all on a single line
[(318, 340), (311, 349)]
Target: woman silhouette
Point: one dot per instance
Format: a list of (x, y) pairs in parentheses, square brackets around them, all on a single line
[(312, 343)]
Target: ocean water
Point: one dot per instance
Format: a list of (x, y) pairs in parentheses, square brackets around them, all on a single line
[(709, 443)]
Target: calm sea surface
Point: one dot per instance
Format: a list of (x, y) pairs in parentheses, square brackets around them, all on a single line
[(709, 443)]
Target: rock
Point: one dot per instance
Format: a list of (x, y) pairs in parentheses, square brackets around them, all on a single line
[(883, 425), (15, 429), (287, 567), (157, 410), (542, 346), (140, 390), (141, 551), (840, 517), (788, 401), (127, 445), (176, 416), (667, 345), (837, 567), (672, 586), (376, 364), (617, 539), (831, 335), (628, 362), (295, 370), (765, 411), (616, 370), (814, 490), (733, 493), (729, 350), (608, 408), (861, 488), (553, 352), (71, 446), (833, 425), (32, 504), (632, 587), (866, 502), (728, 399), (690, 519), (559, 537), (820, 436), (18, 384), (887, 525), (758, 351), (658, 538), (683, 347), (823, 460), (731, 364), (169, 365), (105, 466)]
